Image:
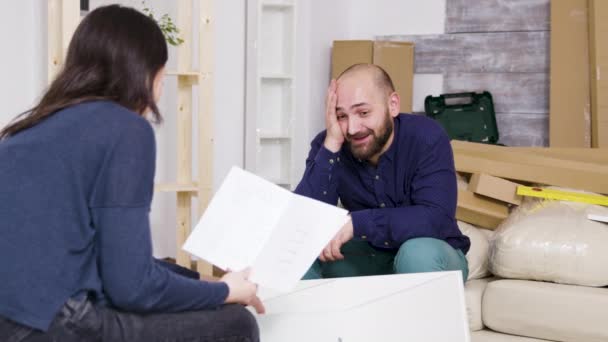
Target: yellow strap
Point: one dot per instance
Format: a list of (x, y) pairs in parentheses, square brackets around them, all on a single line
[(562, 195)]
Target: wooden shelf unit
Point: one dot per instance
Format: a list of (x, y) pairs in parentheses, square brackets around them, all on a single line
[(63, 18)]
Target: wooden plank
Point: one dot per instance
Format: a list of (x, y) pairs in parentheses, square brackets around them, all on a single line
[(184, 222), (496, 15), (511, 92), (587, 155), (479, 52), (545, 170), (523, 129), (54, 46), (570, 101), (184, 50), (192, 188), (184, 131), (598, 44), (515, 155), (205, 114), (70, 17), (590, 180)]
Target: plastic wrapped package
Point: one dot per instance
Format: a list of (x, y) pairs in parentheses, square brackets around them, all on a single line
[(552, 241), (477, 257)]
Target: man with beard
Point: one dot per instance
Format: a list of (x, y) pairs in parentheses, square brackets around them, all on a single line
[(394, 173)]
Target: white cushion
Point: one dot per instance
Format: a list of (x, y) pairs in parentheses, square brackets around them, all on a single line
[(546, 310), (552, 241), (473, 293), (477, 256), (491, 336)]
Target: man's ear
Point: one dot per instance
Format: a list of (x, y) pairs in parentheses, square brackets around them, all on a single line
[(394, 104)]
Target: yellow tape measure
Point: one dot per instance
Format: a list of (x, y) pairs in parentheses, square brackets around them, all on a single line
[(562, 195)]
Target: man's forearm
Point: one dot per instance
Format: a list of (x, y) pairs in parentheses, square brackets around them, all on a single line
[(320, 180)]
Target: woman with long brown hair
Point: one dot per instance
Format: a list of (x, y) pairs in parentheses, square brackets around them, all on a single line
[(76, 184)]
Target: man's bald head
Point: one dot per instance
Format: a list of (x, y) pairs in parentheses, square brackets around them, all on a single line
[(380, 77)]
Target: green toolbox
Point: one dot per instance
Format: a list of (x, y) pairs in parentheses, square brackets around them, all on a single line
[(465, 116)]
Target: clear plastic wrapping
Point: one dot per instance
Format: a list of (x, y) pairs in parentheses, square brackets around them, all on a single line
[(552, 241)]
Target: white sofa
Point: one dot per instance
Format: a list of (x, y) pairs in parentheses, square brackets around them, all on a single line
[(522, 310), (551, 244)]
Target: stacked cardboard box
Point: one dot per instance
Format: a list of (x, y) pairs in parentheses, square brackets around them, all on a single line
[(496, 171), (396, 58)]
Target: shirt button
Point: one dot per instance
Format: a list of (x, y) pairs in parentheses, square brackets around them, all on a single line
[(386, 243), (364, 237), (338, 159), (382, 205), (377, 177), (324, 192), (331, 161)]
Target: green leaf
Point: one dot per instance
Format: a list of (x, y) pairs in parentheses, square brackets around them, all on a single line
[(168, 28)]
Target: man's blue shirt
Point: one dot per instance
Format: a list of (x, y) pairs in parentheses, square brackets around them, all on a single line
[(410, 193)]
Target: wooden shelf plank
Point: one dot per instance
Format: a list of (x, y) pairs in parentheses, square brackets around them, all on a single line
[(183, 73), (176, 187)]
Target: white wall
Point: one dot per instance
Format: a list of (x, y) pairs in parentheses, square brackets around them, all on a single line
[(369, 19), (23, 58)]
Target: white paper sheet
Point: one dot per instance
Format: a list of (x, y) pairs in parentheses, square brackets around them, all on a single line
[(251, 222)]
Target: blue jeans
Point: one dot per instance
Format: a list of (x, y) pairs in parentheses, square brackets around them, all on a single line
[(414, 255)]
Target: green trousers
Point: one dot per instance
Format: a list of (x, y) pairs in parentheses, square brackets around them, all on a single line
[(415, 255)]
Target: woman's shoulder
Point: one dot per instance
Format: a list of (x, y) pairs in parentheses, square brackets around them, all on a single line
[(108, 112), (108, 118)]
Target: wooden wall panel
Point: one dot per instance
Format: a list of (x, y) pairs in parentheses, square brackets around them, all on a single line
[(496, 15), (523, 129), (526, 93), (497, 45), (479, 52)]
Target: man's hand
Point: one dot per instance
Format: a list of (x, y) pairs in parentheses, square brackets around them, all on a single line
[(334, 138), (242, 291), (332, 251)]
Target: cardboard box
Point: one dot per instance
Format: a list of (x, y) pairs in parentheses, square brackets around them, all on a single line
[(598, 44), (397, 58), (364, 309), (570, 101), (480, 211), (494, 187)]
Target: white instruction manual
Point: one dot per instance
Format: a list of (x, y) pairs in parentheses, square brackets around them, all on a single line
[(251, 222)]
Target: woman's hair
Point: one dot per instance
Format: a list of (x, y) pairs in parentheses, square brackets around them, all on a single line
[(115, 54)]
